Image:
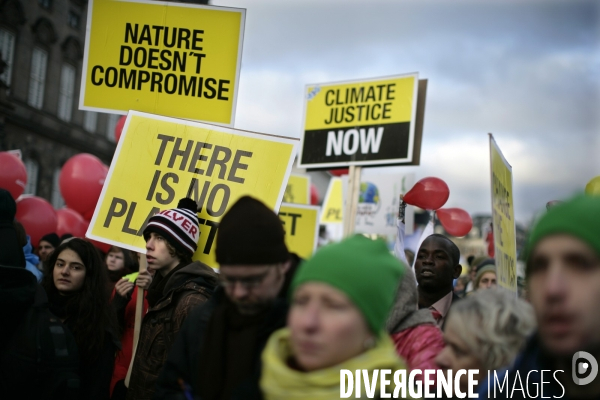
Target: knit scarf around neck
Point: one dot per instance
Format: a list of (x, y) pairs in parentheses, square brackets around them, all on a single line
[(280, 382), (57, 303), (157, 287)]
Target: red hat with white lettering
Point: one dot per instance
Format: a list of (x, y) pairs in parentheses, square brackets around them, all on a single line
[(179, 226)]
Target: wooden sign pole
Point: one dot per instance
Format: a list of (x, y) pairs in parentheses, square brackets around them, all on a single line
[(352, 201), (139, 307)]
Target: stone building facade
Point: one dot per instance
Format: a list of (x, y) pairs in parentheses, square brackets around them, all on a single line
[(42, 44)]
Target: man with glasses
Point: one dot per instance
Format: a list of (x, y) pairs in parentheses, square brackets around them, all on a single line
[(217, 353)]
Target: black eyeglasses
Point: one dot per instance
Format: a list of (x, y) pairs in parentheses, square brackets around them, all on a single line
[(247, 283)]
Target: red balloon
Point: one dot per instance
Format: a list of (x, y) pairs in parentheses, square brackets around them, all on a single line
[(456, 221), (13, 175), (314, 194), (119, 127), (339, 172), (69, 221), (428, 193), (81, 181), (88, 214), (37, 217), (105, 247)]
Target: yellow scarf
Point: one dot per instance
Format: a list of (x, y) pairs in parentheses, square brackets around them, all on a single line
[(280, 382)]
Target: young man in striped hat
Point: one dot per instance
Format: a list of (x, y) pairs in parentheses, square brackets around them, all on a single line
[(178, 286), (218, 351)]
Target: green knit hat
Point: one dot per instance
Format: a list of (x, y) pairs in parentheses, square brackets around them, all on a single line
[(579, 217), (363, 269)]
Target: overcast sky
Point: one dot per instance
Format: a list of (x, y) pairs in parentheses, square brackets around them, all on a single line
[(527, 71)]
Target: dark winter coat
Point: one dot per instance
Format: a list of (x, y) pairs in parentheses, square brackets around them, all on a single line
[(94, 374), (38, 354), (186, 288), (186, 355), (531, 371)]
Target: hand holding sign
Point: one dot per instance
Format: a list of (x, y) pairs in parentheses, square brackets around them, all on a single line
[(429, 193)]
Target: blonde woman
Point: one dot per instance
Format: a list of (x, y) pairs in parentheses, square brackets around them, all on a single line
[(485, 331)]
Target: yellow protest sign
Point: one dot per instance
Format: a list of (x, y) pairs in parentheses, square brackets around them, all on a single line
[(175, 59), (301, 224), (297, 190), (505, 246), (333, 205), (362, 122), (160, 160)]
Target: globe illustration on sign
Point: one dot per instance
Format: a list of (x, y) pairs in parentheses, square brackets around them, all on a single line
[(369, 193)]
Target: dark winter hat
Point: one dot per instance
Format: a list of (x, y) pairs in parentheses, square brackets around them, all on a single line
[(179, 226), (51, 238), (481, 270), (8, 207), (578, 217), (11, 252), (250, 233), (485, 262), (363, 269)]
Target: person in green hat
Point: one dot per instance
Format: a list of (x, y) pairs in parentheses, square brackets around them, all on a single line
[(340, 302), (563, 285)]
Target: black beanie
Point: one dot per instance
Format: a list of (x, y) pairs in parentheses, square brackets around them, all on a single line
[(250, 233), (11, 252), (52, 238)]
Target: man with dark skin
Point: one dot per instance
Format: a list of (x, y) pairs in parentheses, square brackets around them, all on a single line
[(436, 267)]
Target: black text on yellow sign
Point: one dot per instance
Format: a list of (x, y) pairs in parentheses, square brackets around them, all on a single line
[(333, 204), (160, 160), (360, 122), (171, 59), (297, 190), (503, 218), (301, 224)]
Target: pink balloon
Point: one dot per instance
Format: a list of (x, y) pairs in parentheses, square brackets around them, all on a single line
[(119, 127), (429, 193), (456, 221), (81, 181), (37, 217), (69, 221), (13, 175)]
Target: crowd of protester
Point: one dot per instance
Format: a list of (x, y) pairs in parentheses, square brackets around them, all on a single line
[(268, 325)]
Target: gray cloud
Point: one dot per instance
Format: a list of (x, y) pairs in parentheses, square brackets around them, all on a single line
[(528, 71)]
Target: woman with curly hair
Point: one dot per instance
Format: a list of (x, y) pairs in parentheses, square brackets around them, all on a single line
[(76, 286)]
